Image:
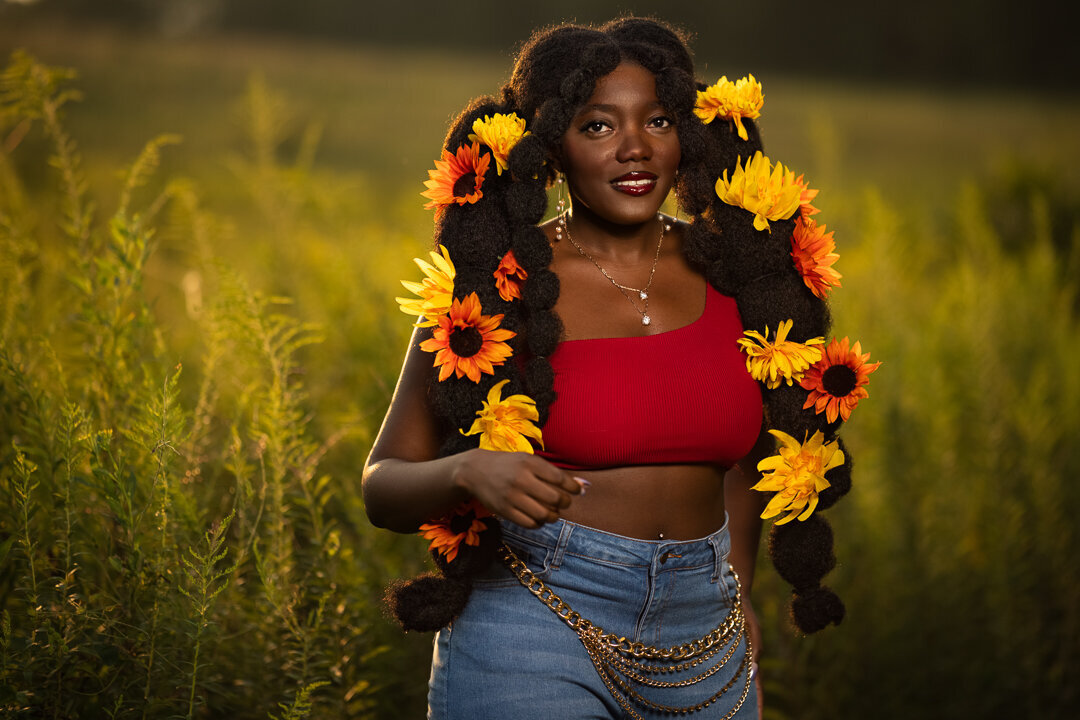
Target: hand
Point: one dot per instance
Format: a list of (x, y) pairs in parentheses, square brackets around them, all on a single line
[(753, 628), (522, 488)]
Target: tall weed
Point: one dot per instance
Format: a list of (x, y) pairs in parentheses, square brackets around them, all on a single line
[(171, 546)]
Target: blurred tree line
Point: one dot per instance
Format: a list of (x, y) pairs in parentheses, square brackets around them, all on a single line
[(979, 42)]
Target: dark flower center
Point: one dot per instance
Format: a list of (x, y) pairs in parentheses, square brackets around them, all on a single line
[(838, 380), (465, 185), (466, 342), (462, 523)]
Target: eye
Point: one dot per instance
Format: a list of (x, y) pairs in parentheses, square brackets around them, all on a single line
[(593, 127), (661, 121)]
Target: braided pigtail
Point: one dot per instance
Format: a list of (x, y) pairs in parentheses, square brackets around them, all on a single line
[(475, 332), (776, 263)]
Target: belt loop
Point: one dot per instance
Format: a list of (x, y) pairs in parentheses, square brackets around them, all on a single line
[(718, 556), (561, 543)]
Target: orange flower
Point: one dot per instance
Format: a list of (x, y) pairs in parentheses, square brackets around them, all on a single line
[(466, 342), (806, 197), (812, 249), (457, 178), (509, 277), (464, 525), (836, 381)]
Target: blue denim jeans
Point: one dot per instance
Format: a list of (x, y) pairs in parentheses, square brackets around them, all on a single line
[(509, 656)]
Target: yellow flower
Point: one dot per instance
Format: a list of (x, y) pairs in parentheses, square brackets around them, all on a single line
[(449, 532), (505, 424), (435, 293), (500, 133), (812, 250), (771, 193), (769, 362), (730, 100), (797, 475)]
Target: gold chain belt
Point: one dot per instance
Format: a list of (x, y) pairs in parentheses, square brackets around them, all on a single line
[(620, 661)]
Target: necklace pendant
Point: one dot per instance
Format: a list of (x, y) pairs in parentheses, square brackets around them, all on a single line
[(644, 295), (645, 320)]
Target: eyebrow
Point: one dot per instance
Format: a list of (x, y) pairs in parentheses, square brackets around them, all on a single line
[(613, 108)]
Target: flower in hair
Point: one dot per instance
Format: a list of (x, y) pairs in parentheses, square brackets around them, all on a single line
[(769, 192), (462, 526), (500, 133), (457, 178), (812, 250), (797, 474), (836, 382), (509, 277), (806, 197), (506, 424), (435, 292), (781, 359), (732, 101), (466, 342)]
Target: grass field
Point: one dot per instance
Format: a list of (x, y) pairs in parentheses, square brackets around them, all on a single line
[(288, 210)]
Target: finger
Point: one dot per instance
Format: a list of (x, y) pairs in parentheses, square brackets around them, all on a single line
[(554, 475), (538, 512), (553, 498)]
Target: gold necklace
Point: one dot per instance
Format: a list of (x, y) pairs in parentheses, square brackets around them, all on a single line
[(642, 293)]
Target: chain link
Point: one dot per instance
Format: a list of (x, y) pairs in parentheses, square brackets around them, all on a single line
[(615, 656)]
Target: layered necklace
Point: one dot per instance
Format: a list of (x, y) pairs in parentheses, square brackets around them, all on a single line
[(626, 290)]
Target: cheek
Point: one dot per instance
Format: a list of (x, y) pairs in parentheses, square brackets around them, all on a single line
[(672, 154)]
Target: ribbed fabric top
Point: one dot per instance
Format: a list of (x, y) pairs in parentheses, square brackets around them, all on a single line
[(679, 397)]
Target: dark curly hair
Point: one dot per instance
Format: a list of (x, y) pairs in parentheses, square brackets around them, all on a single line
[(555, 73)]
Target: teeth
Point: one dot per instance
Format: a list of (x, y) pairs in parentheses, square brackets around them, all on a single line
[(635, 183)]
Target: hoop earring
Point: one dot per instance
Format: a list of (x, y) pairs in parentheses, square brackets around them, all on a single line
[(560, 207)]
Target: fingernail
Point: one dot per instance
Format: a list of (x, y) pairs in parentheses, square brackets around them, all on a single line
[(585, 484)]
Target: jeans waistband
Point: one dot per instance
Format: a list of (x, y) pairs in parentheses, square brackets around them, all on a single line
[(569, 539)]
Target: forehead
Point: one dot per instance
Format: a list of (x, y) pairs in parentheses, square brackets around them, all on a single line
[(628, 85)]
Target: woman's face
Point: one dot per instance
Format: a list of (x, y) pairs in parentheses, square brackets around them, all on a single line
[(621, 150)]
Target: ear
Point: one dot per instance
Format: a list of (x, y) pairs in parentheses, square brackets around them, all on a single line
[(555, 158)]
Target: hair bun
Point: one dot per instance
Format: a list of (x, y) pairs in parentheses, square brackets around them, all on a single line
[(813, 610)]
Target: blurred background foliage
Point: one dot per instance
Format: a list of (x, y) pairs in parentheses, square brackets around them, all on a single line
[(201, 231)]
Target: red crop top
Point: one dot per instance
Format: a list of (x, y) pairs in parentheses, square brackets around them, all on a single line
[(679, 397)]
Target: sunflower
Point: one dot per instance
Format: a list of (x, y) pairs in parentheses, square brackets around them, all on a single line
[(836, 381), (509, 277), (769, 362), (457, 177), (434, 293), (730, 100), (464, 525), (506, 424), (771, 193), (466, 342), (812, 250), (500, 133), (797, 474)]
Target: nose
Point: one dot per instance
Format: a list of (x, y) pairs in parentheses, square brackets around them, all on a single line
[(634, 145)]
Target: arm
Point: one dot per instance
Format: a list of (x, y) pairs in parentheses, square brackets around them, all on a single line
[(405, 482), (744, 507)]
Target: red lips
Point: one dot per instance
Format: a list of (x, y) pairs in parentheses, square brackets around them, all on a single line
[(635, 183)]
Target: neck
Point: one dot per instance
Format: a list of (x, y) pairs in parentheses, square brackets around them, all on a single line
[(622, 243)]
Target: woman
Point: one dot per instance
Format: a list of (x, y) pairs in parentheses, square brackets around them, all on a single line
[(579, 414)]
